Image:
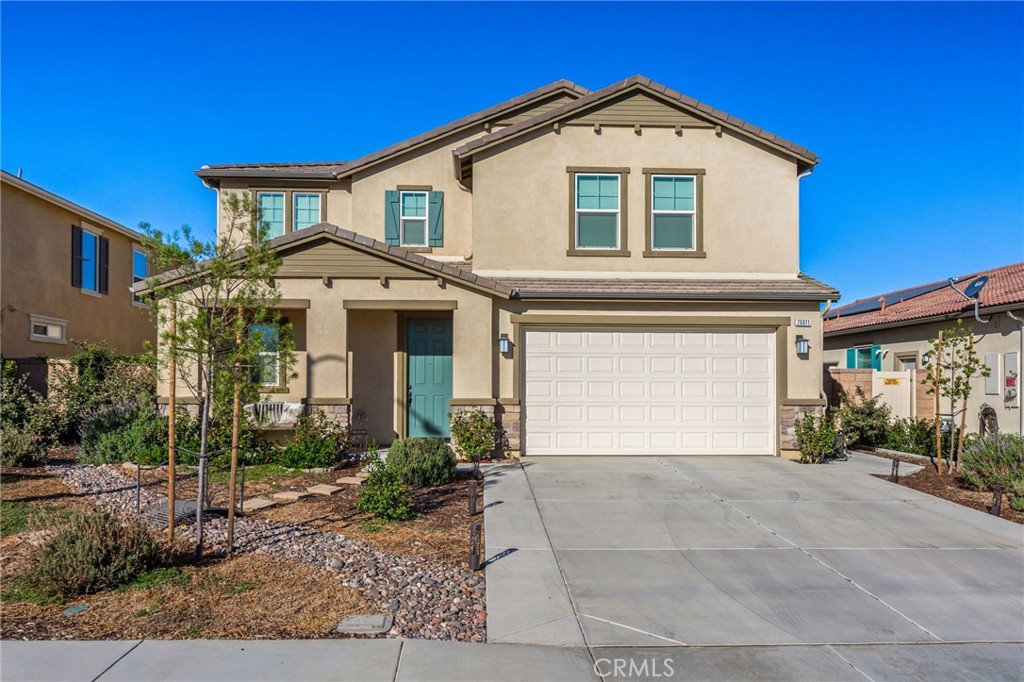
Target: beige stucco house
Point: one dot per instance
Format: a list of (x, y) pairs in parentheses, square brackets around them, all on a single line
[(612, 272), (65, 275), (893, 331)]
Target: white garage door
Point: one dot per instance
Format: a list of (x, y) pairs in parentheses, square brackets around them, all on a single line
[(649, 392)]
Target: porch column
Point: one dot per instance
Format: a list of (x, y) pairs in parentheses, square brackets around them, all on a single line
[(327, 359)]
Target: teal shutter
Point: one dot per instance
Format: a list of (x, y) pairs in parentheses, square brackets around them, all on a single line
[(851, 358), (391, 217), (876, 358), (436, 219)]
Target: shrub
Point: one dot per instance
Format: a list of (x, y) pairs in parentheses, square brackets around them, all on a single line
[(422, 461), (474, 434), (385, 496), (916, 436), (318, 442), (815, 436), (25, 411), (21, 449), (996, 459), (864, 420), (93, 552)]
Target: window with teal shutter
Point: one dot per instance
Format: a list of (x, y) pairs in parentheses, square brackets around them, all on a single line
[(271, 207), (413, 225), (391, 217), (436, 226), (597, 211), (876, 358), (851, 358), (864, 357)]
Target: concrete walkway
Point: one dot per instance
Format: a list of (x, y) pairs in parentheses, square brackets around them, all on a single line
[(728, 551)]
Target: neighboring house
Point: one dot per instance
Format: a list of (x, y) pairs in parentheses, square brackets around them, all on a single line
[(610, 272), (893, 332), (65, 276)]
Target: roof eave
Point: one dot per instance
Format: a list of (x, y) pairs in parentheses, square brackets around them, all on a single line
[(669, 296), (966, 311)]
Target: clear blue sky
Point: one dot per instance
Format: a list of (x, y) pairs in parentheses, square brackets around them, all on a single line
[(917, 110)]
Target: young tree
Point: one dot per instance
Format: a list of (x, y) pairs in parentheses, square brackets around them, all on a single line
[(953, 364), (218, 325)]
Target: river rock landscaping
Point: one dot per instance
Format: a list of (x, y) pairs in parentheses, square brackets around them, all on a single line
[(427, 589)]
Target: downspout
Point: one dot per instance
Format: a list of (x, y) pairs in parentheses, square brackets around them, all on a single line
[(828, 306), (1020, 363)]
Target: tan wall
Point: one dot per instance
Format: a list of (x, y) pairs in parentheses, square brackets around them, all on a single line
[(521, 201), (1001, 335), (373, 347), (35, 278)]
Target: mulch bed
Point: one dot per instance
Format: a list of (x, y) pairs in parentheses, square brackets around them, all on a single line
[(952, 488)]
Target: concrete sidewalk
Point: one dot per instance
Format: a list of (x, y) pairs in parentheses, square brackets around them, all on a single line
[(425, 661)]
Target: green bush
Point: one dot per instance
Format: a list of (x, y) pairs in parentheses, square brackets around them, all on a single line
[(385, 496), (474, 434), (916, 436), (864, 420), (815, 436), (422, 461), (25, 411), (996, 459), (318, 442), (93, 552), (21, 449)]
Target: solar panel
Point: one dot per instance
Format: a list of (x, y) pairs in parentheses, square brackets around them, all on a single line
[(873, 304)]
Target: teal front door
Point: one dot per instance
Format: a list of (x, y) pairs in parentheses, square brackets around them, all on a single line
[(430, 376)]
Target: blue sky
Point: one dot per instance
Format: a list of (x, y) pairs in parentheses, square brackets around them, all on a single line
[(917, 110)]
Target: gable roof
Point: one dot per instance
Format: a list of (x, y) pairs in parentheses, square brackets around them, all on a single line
[(805, 157), (330, 170), (84, 213), (913, 305)]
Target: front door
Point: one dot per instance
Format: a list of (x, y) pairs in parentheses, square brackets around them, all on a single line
[(430, 376)]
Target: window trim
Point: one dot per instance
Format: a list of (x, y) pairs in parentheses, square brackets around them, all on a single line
[(425, 218), (698, 222), (34, 319), (910, 355), (136, 301), (289, 203), (623, 232), (97, 235)]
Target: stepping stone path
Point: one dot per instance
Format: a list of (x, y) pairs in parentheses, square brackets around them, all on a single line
[(291, 495), (323, 489), (257, 503), (351, 480)]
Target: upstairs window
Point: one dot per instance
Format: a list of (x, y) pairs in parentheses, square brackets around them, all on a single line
[(597, 211), (673, 212), (306, 210), (272, 213), (414, 219), (90, 260), (140, 270)]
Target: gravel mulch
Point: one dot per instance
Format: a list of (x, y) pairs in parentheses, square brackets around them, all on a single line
[(429, 599)]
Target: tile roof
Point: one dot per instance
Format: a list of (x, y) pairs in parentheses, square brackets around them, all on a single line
[(1005, 287), (333, 169), (638, 82), (801, 287)]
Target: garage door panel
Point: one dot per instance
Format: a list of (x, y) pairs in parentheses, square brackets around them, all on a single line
[(649, 392)]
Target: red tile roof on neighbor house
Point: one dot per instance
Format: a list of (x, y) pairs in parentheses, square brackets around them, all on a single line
[(1005, 287)]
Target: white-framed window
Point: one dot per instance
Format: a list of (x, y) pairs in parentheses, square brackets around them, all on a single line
[(413, 218), (47, 329), (306, 210), (272, 212), (268, 367), (140, 270), (597, 210), (90, 261), (862, 357), (673, 212)]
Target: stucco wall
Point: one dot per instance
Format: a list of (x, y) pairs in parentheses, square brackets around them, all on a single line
[(35, 278), (1001, 335), (521, 201)]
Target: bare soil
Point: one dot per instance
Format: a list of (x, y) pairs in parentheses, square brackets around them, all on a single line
[(951, 487)]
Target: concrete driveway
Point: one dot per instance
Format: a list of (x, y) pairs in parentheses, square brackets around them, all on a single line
[(695, 551)]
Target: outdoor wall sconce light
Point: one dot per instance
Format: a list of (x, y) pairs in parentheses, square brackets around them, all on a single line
[(504, 344), (803, 346)]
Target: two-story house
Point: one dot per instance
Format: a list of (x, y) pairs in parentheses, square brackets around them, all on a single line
[(66, 274), (612, 272)]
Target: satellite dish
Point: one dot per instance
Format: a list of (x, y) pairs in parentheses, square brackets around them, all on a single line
[(973, 289)]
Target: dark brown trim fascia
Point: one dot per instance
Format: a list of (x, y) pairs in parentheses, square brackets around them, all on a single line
[(805, 157), (387, 304), (803, 402), (472, 402), (698, 224), (618, 320), (326, 401), (664, 296), (414, 188), (966, 313), (623, 173)]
